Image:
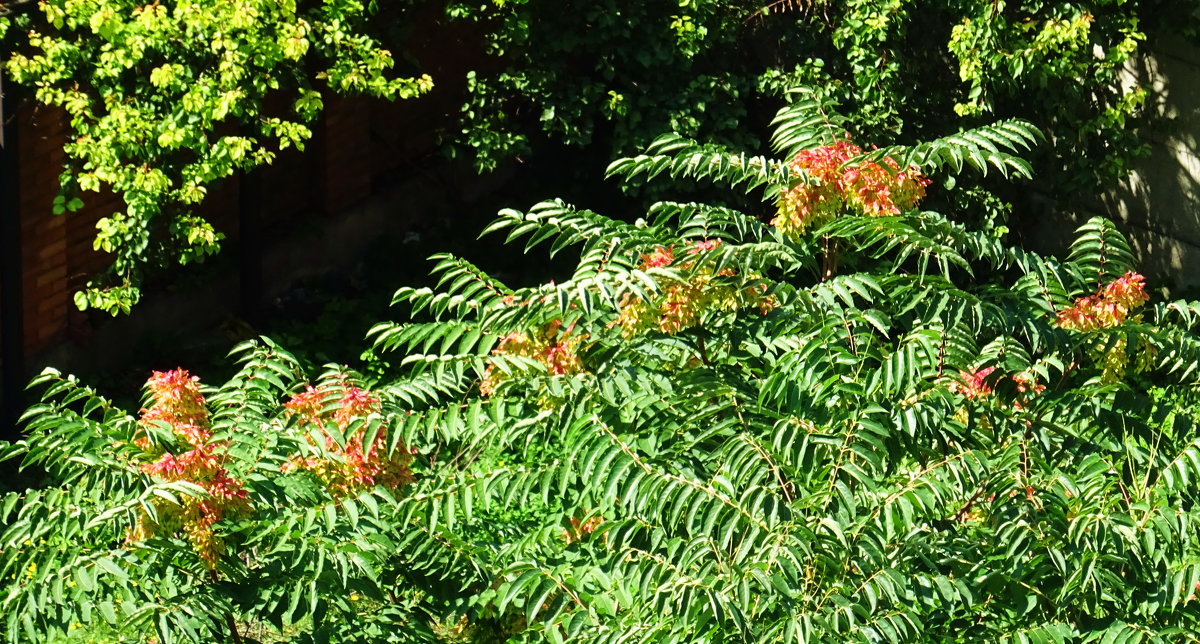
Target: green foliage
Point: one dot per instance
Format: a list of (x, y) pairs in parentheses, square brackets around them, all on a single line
[(883, 429), (647, 67), (905, 69), (165, 100), (70, 559)]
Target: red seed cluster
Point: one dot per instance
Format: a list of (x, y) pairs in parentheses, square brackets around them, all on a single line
[(1109, 307), (661, 257), (973, 384), (835, 188), (553, 346), (177, 401), (581, 530), (684, 303), (352, 465)]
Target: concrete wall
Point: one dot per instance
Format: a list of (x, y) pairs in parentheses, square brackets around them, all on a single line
[(1158, 204)]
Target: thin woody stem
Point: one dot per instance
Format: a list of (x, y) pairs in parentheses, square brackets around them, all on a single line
[(233, 631), (829, 257), (703, 351)]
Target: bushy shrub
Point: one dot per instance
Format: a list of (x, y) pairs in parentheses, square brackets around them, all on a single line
[(212, 513), (825, 416), (165, 101)]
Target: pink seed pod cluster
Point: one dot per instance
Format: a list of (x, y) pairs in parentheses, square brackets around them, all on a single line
[(682, 304), (352, 465), (835, 188), (1109, 307), (195, 458), (553, 346)]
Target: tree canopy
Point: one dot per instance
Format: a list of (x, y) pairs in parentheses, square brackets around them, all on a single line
[(164, 101)]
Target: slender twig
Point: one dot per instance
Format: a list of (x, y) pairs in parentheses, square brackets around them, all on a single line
[(828, 258), (970, 503), (233, 631), (703, 350)]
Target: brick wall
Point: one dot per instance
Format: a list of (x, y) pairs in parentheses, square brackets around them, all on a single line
[(57, 253), (43, 238), (358, 144)]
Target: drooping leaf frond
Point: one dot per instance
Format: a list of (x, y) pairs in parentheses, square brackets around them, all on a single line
[(1101, 252), (982, 148), (680, 157), (806, 123)]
